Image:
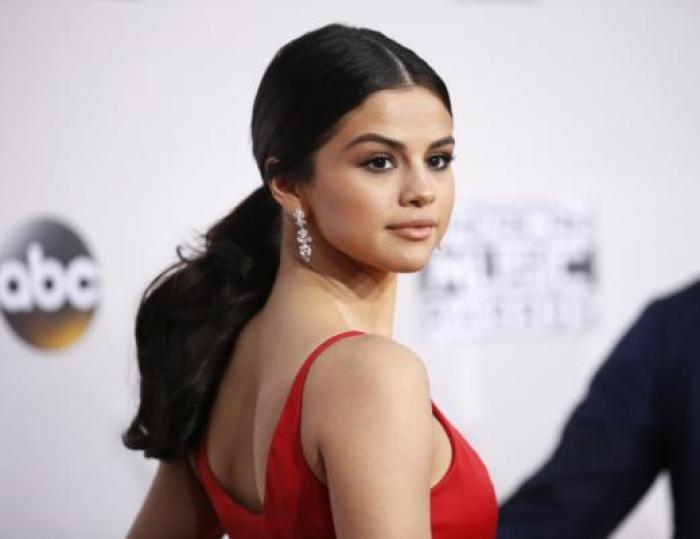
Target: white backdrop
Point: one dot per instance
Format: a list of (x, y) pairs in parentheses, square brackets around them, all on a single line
[(130, 119)]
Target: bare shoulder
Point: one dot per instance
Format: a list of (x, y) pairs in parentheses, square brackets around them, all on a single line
[(365, 362), (368, 375), (364, 382), (370, 398)]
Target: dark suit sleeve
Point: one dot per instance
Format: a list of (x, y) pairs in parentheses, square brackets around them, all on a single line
[(609, 453)]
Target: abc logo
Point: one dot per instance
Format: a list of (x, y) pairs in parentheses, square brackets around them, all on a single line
[(49, 284)]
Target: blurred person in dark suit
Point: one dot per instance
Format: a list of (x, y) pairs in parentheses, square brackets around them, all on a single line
[(641, 417)]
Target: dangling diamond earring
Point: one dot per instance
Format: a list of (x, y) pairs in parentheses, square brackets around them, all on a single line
[(303, 237)]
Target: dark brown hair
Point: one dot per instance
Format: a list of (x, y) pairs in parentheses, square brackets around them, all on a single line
[(192, 312)]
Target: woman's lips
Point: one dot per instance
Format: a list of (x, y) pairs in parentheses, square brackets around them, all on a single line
[(413, 232)]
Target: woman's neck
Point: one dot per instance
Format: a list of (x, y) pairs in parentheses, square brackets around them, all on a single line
[(335, 295)]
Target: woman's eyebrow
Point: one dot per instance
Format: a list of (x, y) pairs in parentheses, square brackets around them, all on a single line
[(376, 137)]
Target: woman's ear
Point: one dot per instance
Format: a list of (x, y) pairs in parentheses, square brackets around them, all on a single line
[(285, 191)]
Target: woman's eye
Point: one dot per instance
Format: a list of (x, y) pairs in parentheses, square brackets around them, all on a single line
[(446, 157), (439, 162), (380, 160)]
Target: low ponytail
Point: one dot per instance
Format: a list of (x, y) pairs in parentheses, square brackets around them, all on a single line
[(188, 319), (191, 314)]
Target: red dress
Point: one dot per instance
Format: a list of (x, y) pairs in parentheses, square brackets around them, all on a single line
[(297, 504)]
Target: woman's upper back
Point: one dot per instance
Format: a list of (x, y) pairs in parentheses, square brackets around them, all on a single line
[(367, 429)]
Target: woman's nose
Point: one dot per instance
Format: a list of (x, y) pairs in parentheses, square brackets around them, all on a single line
[(418, 190)]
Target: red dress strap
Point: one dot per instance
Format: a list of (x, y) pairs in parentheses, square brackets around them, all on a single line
[(286, 469)]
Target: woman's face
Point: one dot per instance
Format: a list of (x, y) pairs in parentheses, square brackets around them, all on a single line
[(387, 164)]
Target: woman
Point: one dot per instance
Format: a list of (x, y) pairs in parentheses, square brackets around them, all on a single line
[(352, 134)]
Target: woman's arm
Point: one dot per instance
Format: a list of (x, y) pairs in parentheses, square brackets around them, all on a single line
[(372, 418), (176, 507)]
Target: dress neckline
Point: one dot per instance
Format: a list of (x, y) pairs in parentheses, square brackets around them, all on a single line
[(203, 459), (208, 474)]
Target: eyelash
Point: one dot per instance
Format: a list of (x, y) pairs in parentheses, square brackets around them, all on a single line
[(448, 158)]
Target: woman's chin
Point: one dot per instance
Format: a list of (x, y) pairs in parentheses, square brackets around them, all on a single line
[(409, 264)]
